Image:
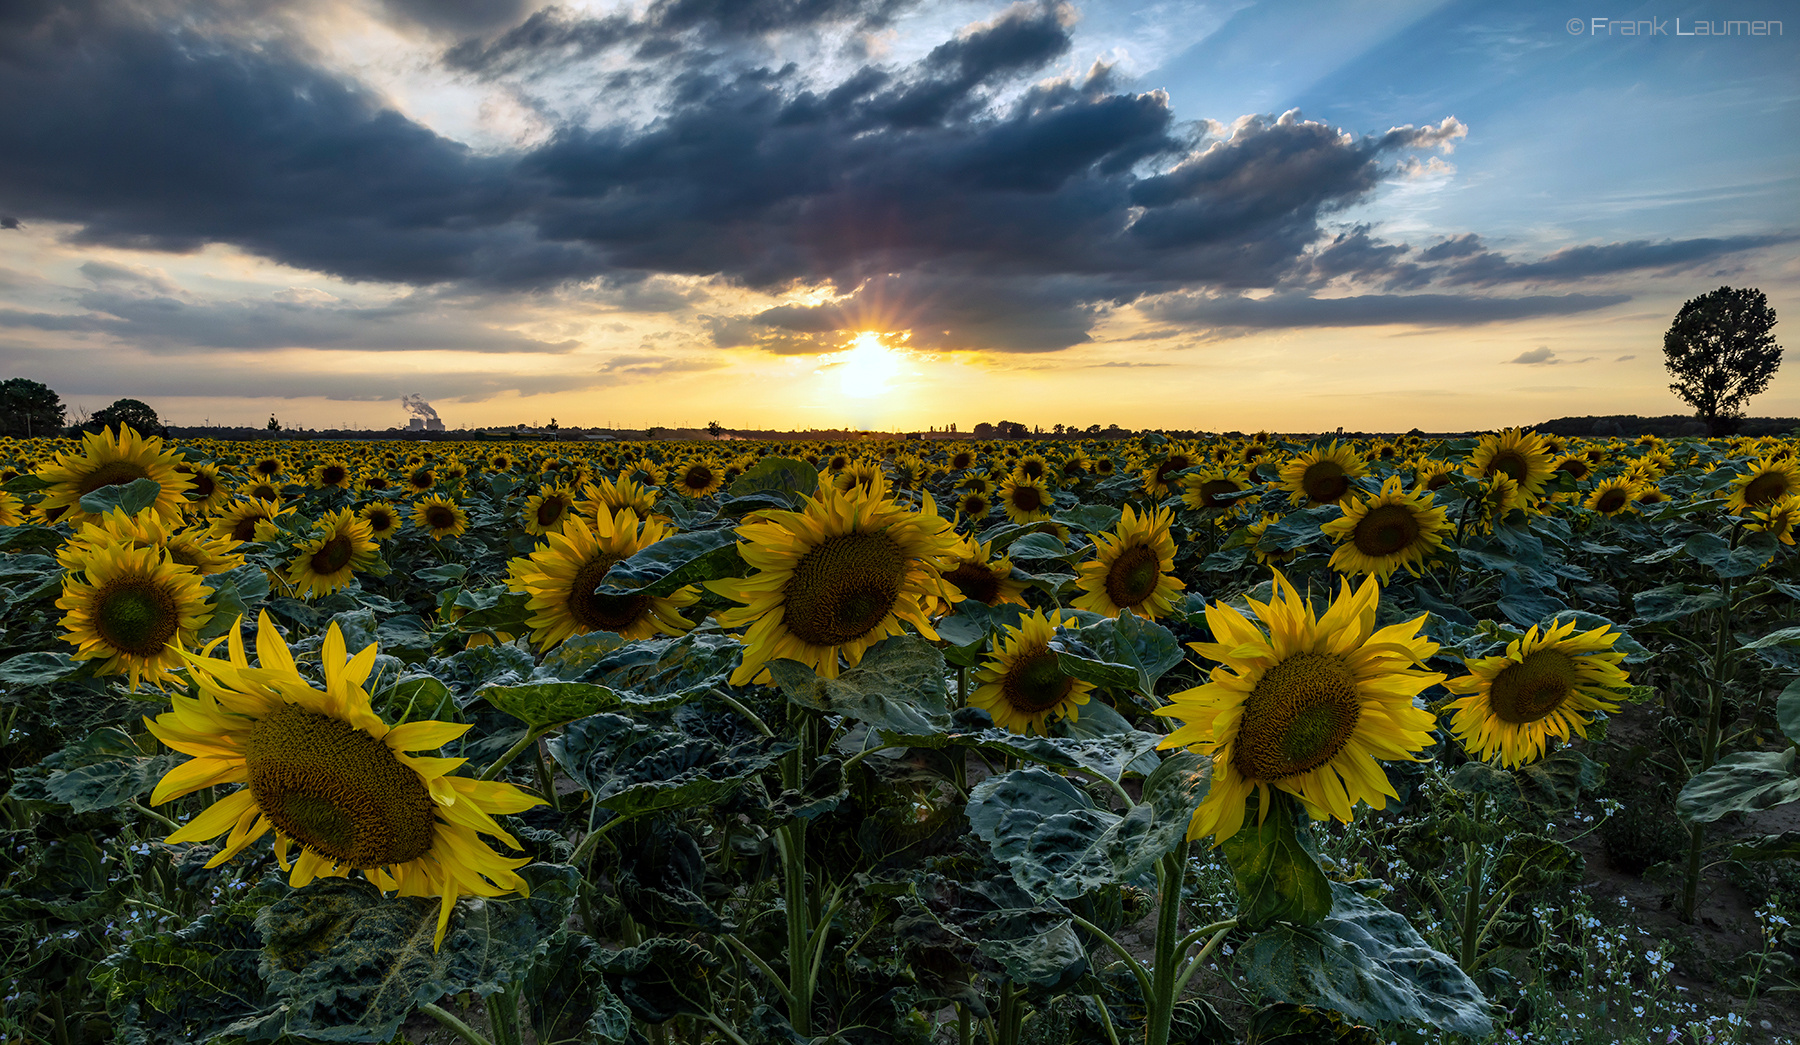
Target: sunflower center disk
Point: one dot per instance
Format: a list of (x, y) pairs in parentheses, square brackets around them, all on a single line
[(136, 617), (1386, 530), (602, 612), (337, 790), (1035, 683), (439, 517), (1509, 464), (1766, 488), (844, 588), (1132, 577), (112, 473), (333, 556), (1610, 502), (1027, 498), (1213, 489), (1298, 717), (1325, 482), (1534, 687), (975, 582), (551, 510), (332, 475)]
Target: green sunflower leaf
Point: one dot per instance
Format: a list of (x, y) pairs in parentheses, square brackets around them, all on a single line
[(781, 475), (133, 497), (1739, 783), (1368, 963), (673, 562), (544, 704), (1276, 868)]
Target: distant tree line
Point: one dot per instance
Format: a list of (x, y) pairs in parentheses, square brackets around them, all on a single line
[(29, 409)]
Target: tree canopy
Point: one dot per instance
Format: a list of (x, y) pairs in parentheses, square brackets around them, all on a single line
[(1721, 352), (134, 412), (28, 408)]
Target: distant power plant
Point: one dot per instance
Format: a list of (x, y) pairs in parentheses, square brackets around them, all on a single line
[(425, 417), (425, 424)]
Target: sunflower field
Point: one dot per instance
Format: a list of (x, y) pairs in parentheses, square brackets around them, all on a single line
[(1240, 739)]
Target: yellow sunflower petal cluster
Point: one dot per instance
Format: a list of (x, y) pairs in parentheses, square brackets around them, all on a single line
[(977, 575), (440, 517), (1021, 685), (1779, 518), (1308, 706), (1612, 496), (561, 579), (342, 545), (1380, 534), (1517, 454), (1546, 685), (326, 774), (547, 510), (1026, 500), (1132, 567), (1321, 475), (1202, 490), (133, 609), (834, 578), (111, 457), (1762, 484)]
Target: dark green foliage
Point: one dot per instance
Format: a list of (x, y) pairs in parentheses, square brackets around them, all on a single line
[(29, 409)]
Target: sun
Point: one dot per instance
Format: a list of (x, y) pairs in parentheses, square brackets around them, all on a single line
[(865, 366)]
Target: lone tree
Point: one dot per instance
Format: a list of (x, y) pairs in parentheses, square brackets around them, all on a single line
[(1721, 352), (29, 409), (134, 412)]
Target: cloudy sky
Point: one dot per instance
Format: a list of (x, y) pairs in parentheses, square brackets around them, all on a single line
[(1294, 215)]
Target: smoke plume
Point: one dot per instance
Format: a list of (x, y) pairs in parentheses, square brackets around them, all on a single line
[(418, 407)]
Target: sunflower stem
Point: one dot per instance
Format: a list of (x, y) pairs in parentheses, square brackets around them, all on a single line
[(546, 778), (791, 841), (732, 702), (531, 736), (1475, 871), (455, 1026), (154, 815), (1709, 747), (1164, 975)]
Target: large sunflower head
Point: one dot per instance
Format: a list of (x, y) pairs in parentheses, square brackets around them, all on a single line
[(977, 575), (834, 578), (132, 609), (1203, 491), (1517, 454), (1322, 475), (383, 519), (327, 775), (342, 545), (238, 520), (1307, 706), (1762, 484), (699, 477), (606, 496), (547, 510), (1131, 567), (1779, 518), (1022, 686), (1545, 685), (111, 457), (562, 577), (440, 517), (1026, 500), (1380, 534)]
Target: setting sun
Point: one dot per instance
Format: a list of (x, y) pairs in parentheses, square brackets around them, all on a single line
[(864, 367)]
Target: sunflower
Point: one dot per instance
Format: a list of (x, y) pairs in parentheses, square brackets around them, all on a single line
[(1104, 467), (1256, 530), (561, 579), (1075, 466), (333, 473), (1306, 707), (1651, 495), (1204, 489), (324, 772), (342, 545), (1430, 474), (206, 492), (974, 506), (857, 473), (421, 479), (699, 478), (12, 510), (1517, 454), (1322, 475), (1767, 481), (1032, 466), (1156, 476), (500, 463), (134, 609), (646, 473), (606, 497), (977, 575), (1378, 535), (440, 516), (111, 457), (1545, 685), (962, 458), (1779, 518), (383, 519), (260, 490), (268, 467), (1612, 496), (1022, 686), (142, 530), (1496, 499), (835, 577), (975, 483), (548, 509), (1575, 464), (207, 555), (1026, 500), (1130, 568), (238, 520)]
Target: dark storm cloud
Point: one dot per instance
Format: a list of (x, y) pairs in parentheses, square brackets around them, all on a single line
[(455, 16), (910, 189), (1299, 310)]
